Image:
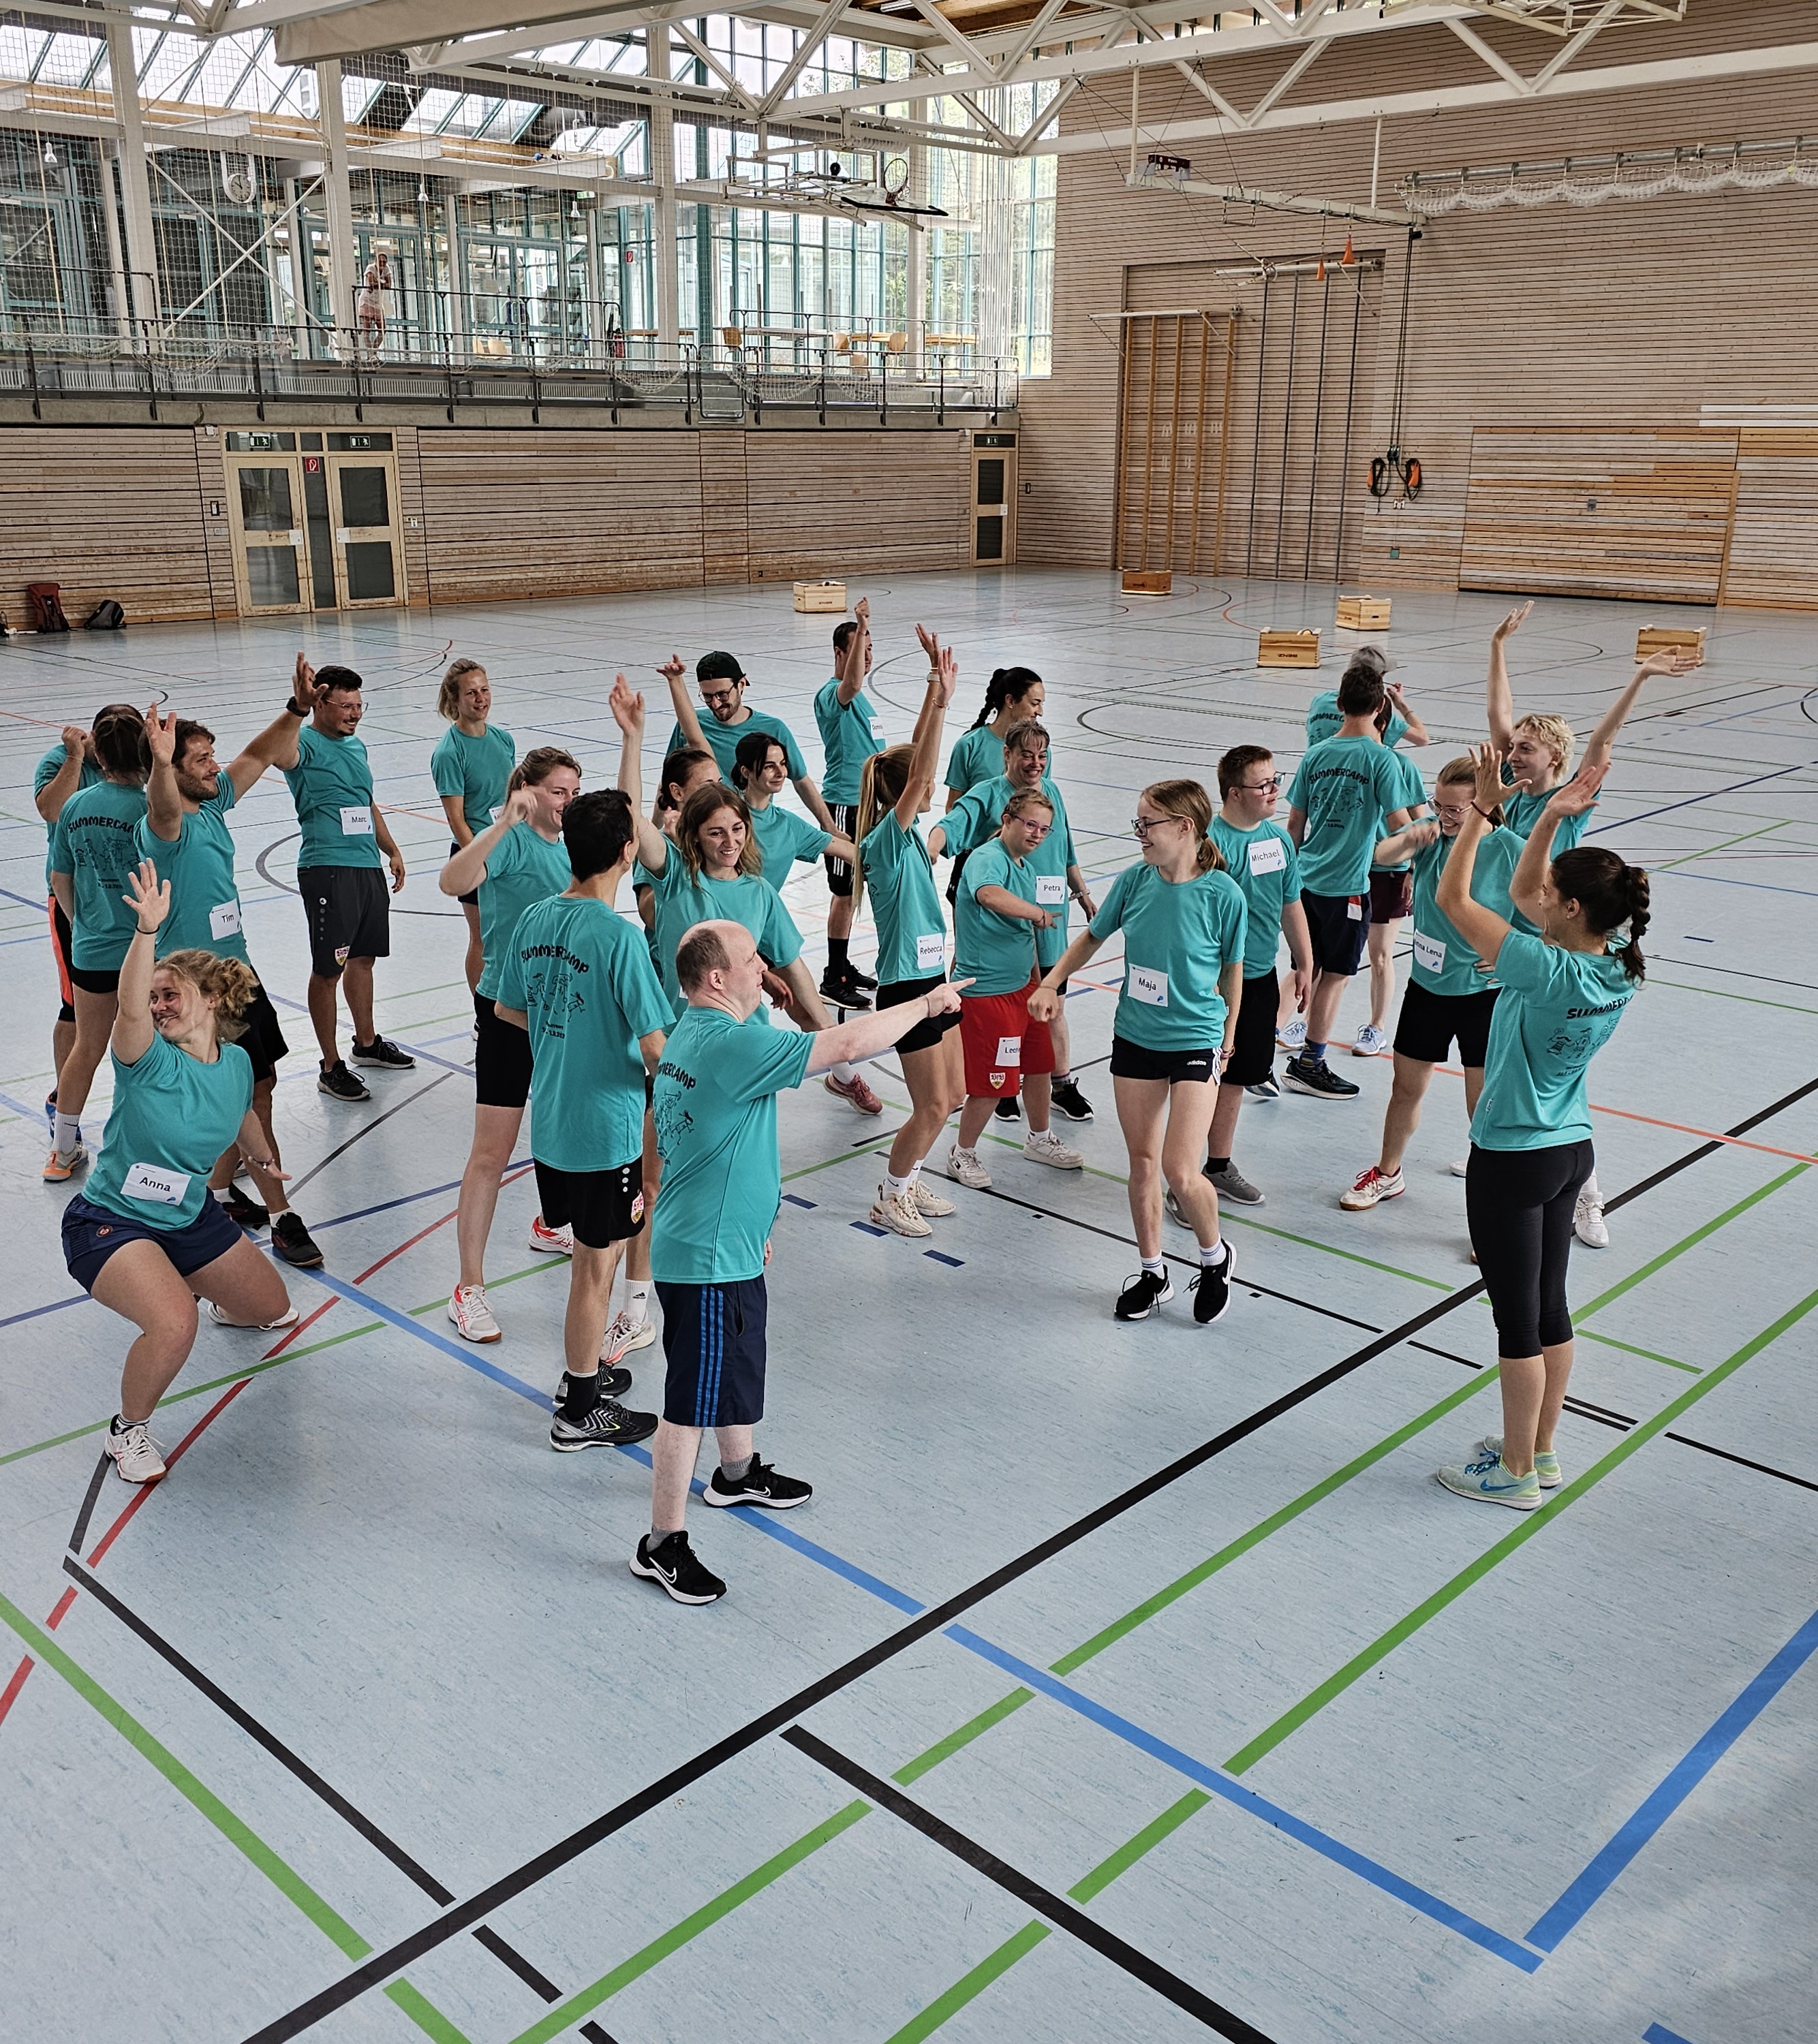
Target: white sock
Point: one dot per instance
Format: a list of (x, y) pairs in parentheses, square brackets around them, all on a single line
[(1154, 1265), (1209, 1259), (224, 1194), (637, 1307), (913, 1172), (970, 1155), (896, 1188), (69, 1131), (845, 1074)]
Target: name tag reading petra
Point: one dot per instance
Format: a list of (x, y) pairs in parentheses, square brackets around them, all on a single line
[(156, 1186), (356, 823), (1144, 983), (1009, 1051), (1051, 889), (225, 921), (1429, 952), (930, 953), (1268, 855)]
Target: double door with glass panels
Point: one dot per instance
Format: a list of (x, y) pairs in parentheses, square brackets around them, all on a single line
[(314, 520)]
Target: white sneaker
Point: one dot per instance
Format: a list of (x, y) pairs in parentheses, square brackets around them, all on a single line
[(1461, 1167), (472, 1316), (967, 1171), (1371, 1042), (1292, 1037), (1047, 1148), (550, 1241), (1373, 1186), (897, 1212), (929, 1202), (137, 1458), (1588, 1216), (286, 1318), (623, 1334)]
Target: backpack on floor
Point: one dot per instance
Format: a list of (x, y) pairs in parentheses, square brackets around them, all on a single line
[(105, 616), (47, 611)]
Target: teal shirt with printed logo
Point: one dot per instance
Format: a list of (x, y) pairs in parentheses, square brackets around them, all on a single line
[(1558, 1010), (96, 842), (1343, 787), (1263, 862), (997, 953), (198, 863), (1324, 719), (478, 769), (579, 973), (42, 775), (975, 820), (1176, 939), (523, 867), (171, 1118), (848, 738), (1444, 963), (715, 1109), (905, 903), (332, 786)]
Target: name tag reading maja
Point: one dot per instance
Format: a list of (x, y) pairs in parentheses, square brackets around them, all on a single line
[(1144, 982)]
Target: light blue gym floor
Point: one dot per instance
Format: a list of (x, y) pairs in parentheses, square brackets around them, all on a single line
[(1138, 1683)]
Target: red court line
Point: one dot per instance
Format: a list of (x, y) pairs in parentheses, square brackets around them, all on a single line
[(13, 1687), (63, 1603)]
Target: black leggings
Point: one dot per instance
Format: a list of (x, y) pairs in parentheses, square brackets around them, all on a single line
[(1519, 1204)]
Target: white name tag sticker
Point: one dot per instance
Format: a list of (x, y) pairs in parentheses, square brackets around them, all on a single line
[(225, 921), (1144, 983), (930, 953), (497, 812), (1354, 909), (1268, 855), (356, 823), (156, 1186), (1429, 952), (1009, 1051), (1051, 889)]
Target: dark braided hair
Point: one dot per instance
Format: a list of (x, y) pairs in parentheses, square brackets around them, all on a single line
[(1611, 895), (1007, 684)]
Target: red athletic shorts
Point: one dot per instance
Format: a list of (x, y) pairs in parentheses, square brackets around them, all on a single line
[(1001, 1045)]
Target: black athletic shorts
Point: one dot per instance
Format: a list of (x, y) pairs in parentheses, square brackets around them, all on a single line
[(92, 982), (1253, 1053), (1338, 924), (601, 1207), (261, 1036), (1430, 1021), (473, 899), (62, 937), (713, 1341), (929, 1031), (845, 816), (350, 915), (502, 1058), (1136, 1060)]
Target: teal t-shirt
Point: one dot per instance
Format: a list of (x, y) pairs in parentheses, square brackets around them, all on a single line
[(997, 953), (723, 740), (96, 842), (1444, 963), (475, 769), (1558, 1010), (578, 971), (331, 786), (1177, 939), (172, 1116), (976, 818), (1413, 792), (977, 755), (523, 866), (848, 738), (747, 898), (715, 1106), (1325, 718), (198, 863), (42, 775), (1521, 811), (905, 903), (784, 839), (1343, 786), (1263, 862)]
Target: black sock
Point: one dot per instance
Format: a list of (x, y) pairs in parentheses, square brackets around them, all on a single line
[(1215, 1165), (837, 960), (583, 1396)]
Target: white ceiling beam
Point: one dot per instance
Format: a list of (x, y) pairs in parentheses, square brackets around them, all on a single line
[(1045, 120), (806, 49), (1276, 201), (950, 35), (1482, 50), (729, 80), (1200, 85), (1599, 20), (1029, 40), (1308, 56), (508, 42)]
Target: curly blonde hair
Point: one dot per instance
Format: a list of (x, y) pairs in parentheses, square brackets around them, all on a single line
[(225, 981)]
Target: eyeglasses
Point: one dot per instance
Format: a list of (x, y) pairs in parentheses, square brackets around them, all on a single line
[(1261, 787), (1142, 825), (1030, 828), (710, 697)]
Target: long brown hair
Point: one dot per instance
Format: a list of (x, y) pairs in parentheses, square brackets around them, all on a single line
[(881, 785), (701, 805), (1613, 896), (1188, 800)]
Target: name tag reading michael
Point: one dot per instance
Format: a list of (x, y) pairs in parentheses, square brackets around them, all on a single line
[(1268, 855), (930, 953), (1051, 889), (356, 823), (1144, 983), (156, 1186)]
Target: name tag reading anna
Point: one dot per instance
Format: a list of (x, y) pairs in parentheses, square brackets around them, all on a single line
[(356, 823), (1145, 983), (156, 1186), (1268, 855)]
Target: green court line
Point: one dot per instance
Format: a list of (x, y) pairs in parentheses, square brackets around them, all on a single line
[(1628, 1348), (427, 2017), (1689, 1241), (1685, 858), (1292, 1719), (944, 1748), (1723, 993)]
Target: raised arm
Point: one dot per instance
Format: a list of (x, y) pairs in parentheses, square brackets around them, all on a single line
[(627, 707), (1481, 927), (1603, 740), (1501, 701), (676, 674), (1572, 798), (808, 789), (870, 1035), (466, 868), (150, 901), (852, 661), (163, 804), (925, 747), (49, 800), (1416, 733), (276, 745)]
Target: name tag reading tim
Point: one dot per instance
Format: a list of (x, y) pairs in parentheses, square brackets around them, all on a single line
[(225, 921)]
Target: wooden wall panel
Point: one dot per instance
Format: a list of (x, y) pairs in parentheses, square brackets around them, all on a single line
[(857, 503), (217, 532), (725, 544), (1635, 514), (106, 511), (1774, 539), (416, 588)]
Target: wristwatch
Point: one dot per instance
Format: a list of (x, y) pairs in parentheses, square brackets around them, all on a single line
[(296, 707)]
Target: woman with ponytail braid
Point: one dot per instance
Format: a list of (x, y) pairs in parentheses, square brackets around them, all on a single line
[(1012, 694), (1564, 990)]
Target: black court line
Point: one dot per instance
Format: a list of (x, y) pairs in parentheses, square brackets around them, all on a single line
[(537, 1980), (376, 1970), (1709, 1149), (365, 1129), (79, 1532), (1063, 1915)]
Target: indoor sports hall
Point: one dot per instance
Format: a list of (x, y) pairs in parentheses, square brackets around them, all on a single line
[(1141, 1660)]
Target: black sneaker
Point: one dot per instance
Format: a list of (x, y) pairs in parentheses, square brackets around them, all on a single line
[(380, 1050), (1143, 1294), (1009, 1110), (863, 979), (1268, 1087), (1210, 1289), (1070, 1101), (608, 1426), (294, 1243), (841, 990), (339, 1083), (1302, 1075), (613, 1383), (243, 1212), (674, 1563), (760, 1485)]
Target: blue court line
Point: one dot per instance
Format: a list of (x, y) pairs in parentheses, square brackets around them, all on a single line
[(396, 1317), (1658, 2033), (1757, 886), (19, 1107), (24, 902), (1254, 1805), (1612, 1862)]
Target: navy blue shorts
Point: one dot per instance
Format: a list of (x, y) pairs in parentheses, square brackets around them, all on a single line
[(1338, 924), (92, 1234), (714, 1341)]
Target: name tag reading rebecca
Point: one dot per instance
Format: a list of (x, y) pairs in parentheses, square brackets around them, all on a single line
[(156, 1186), (225, 921), (1051, 889), (356, 823), (1429, 952), (1009, 1051), (930, 953), (1268, 855), (1144, 983)]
